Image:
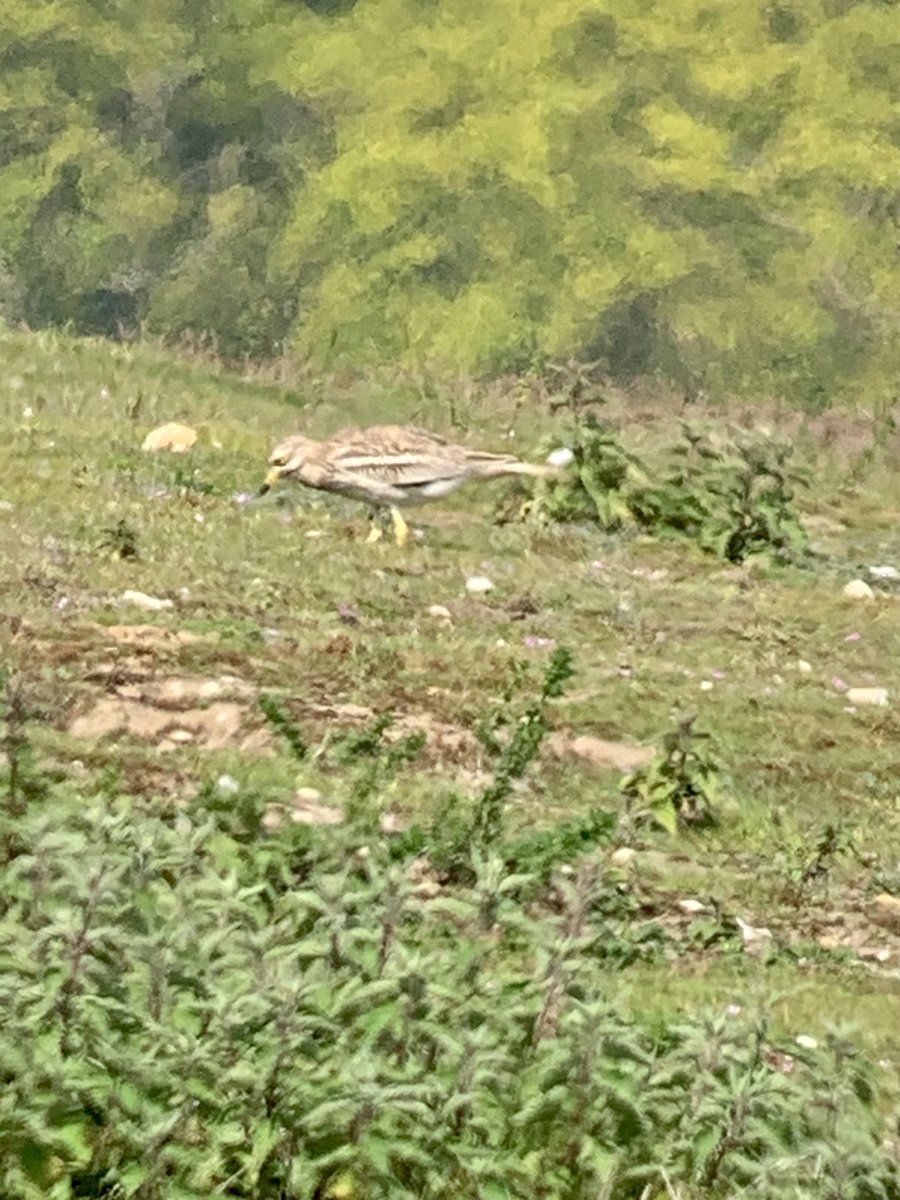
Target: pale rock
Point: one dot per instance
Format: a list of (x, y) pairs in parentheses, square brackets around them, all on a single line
[(690, 907), (886, 911), (478, 584), (804, 667), (755, 937), (316, 814), (830, 941), (393, 823), (805, 1042), (428, 889), (421, 874), (884, 572), (858, 589), (142, 600), (173, 436), (440, 612), (877, 696), (308, 795), (623, 857), (227, 785), (307, 808), (561, 457), (273, 818)]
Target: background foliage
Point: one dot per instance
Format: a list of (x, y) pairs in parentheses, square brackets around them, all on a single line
[(703, 193)]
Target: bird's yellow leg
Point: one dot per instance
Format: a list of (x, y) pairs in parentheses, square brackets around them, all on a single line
[(375, 531), (401, 529)]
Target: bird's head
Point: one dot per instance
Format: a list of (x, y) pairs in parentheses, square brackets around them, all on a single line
[(286, 459)]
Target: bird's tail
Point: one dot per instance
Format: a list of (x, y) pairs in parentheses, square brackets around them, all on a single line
[(493, 466)]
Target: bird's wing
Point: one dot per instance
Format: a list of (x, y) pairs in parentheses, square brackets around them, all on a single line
[(397, 456)]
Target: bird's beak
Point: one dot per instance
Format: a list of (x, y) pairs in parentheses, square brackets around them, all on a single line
[(271, 479)]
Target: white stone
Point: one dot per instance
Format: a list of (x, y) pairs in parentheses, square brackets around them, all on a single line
[(690, 907), (561, 457), (440, 612), (805, 1042), (755, 937), (804, 667), (174, 437), (227, 785), (392, 823), (478, 583), (273, 818), (884, 572), (142, 600), (877, 696), (307, 795), (316, 814), (858, 589), (623, 857)]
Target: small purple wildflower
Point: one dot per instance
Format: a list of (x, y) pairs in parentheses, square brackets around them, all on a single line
[(853, 637), (533, 641), (734, 1010), (242, 498), (717, 674), (839, 685)]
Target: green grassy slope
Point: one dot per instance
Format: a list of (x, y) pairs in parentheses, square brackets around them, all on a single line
[(287, 598)]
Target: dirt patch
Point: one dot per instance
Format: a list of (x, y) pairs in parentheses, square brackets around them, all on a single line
[(154, 637), (167, 711), (443, 740), (600, 753)]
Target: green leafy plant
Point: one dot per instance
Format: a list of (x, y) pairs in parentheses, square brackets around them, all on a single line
[(734, 496), (539, 852), (121, 540), (22, 780), (805, 860), (376, 759), (681, 784), (591, 488), (310, 1024), (528, 731), (281, 721), (731, 495)]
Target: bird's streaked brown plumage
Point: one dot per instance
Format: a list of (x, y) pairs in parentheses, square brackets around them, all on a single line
[(392, 466)]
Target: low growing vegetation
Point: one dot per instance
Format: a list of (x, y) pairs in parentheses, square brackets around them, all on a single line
[(194, 1006), (328, 878), (734, 496)]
